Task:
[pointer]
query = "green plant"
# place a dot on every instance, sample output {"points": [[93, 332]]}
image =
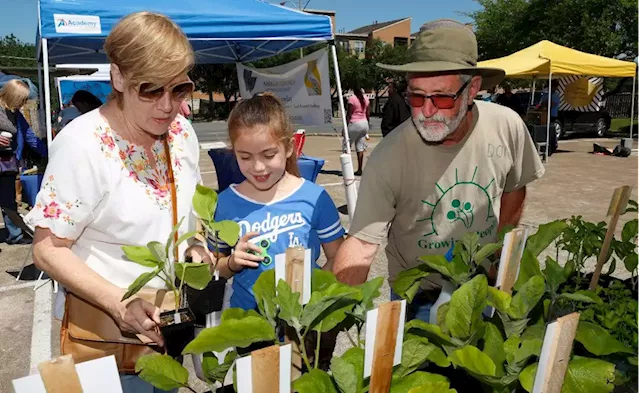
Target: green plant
{"points": [[160, 256], [468, 257]]}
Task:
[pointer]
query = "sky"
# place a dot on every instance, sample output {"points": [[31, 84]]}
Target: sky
{"points": [[20, 16]]}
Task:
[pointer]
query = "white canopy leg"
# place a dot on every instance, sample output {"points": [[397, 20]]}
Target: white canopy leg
{"points": [[47, 90]]}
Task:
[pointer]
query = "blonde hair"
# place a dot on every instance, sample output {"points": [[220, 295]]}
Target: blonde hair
{"points": [[14, 94], [149, 47], [264, 110]]}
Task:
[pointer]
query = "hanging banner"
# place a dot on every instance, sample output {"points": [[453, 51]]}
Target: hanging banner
{"points": [[581, 93], [67, 86], [302, 85]]}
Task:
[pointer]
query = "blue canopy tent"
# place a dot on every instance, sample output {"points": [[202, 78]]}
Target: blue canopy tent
{"points": [[220, 31]]}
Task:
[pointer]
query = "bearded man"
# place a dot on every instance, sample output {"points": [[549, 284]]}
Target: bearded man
{"points": [[455, 166]]}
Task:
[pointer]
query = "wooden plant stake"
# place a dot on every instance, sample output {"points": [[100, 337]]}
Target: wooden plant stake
{"points": [[555, 354], [292, 267], [62, 375], [383, 349], [510, 258], [617, 207], [59, 375], [265, 371]]}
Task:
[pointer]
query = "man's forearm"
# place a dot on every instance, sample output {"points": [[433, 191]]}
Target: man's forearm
{"points": [[511, 207], [353, 261]]}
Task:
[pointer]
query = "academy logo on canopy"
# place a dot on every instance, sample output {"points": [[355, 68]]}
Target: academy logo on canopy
{"points": [[77, 24]]}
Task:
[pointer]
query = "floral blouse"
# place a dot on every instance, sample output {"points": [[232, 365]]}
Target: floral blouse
{"points": [[100, 191]]}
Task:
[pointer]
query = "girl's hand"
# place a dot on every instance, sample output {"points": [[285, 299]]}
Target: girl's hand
{"points": [[241, 257]]}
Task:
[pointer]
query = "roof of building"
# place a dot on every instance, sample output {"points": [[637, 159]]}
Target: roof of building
{"points": [[376, 26]]}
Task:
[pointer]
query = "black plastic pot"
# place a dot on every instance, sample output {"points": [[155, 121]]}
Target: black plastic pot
{"points": [[207, 300], [177, 334]]}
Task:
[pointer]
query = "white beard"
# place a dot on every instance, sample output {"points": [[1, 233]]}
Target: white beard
{"points": [[440, 127]]}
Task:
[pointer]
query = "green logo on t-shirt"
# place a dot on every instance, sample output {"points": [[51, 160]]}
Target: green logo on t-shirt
{"points": [[464, 202]]}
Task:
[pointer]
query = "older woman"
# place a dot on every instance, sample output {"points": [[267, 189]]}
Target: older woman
{"points": [[15, 133], [108, 182]]}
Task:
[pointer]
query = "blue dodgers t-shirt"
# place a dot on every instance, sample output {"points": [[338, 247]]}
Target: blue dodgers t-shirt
{"points": [[307, 217]]}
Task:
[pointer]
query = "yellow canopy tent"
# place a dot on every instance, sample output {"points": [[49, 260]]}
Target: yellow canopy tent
{"points": [[547, 60]]}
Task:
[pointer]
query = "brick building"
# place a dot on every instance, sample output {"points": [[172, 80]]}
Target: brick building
{"points": [[394, 32]]}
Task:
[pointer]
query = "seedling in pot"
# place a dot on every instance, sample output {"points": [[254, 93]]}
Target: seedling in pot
{"points": [[177, 325], [209, 299]]}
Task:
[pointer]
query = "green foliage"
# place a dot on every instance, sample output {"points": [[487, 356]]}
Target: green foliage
{"points": [[583, 375], [162, 371], [600, 27], [232, 333]]}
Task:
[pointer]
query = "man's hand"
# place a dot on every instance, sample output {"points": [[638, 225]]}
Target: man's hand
{"points": [[354, 260]]}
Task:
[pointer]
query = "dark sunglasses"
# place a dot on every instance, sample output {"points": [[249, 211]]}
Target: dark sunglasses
{"points": [[440, 100], [148, 91]]}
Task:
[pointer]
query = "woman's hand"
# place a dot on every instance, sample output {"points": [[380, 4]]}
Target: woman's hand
{"points": [[199, 254], [241, 258], [4, 141], [140, 317]]}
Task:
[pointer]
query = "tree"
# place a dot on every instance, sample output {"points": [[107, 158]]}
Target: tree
{"points": [[602, 27], [15, 53], [216, 78]]}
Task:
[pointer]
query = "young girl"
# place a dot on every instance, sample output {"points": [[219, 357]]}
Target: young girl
{"points": [[274, 203]]}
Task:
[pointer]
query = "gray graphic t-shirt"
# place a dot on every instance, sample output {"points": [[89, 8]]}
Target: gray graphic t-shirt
{"points": [[424, 197]]}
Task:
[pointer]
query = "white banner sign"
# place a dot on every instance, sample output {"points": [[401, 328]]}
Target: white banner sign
{"points": [[302, 85]]}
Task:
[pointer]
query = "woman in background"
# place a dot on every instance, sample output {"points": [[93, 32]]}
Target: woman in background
{"points": [[358, 115], [15, 132]]}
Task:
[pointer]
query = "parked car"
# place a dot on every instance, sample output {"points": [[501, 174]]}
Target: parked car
{"points": [[597, 122]]}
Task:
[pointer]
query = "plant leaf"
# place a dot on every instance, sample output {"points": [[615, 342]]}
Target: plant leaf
{"points": [[598, 341], [237, 313], [196, 275], [204, 202], [162, 371], [433, 387], [631, 262], [157, 250], [329, 307], [419, 378], [344, 373], [370, 291], [415, 353], [529, 267], [554, 275], [494, 347], [264, 291], [528, 348], [407, 282], [185, 237], [231, 333], [545, 235], [321, 279], [583, 375], [169, 242], [352, 361], [139, 283], [500, 300], [140, 255], [441, 316], [289, 302], [438, 263], [486, 251], [470, 243], [511, 348], [213, 370], [630, 231], [315, 381], [466, 306], [473, 360], [527, 298], [569, 268], [431, 332], [584, 296], [512, 326], [228, 231]]}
